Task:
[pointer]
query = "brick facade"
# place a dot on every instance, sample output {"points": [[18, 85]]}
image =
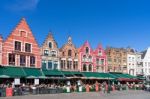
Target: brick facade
{"points": [[20, 48], [117, 59]]}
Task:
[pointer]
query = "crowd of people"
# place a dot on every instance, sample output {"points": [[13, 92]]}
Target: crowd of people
{"points": [[42, 88]]}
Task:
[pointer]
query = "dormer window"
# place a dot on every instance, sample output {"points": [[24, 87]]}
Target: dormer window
{"points": [[69, 52], [87, 50], [17, 46], [50, 44]]}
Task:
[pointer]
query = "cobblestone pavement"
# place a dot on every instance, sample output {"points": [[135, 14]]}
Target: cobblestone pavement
{"points": [[89, 95]]}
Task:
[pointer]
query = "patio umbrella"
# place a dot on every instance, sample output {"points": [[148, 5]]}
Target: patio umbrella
{"points": [[4, 76]]}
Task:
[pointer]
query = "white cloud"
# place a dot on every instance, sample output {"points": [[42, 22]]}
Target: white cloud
{"points": [[22, 5]]}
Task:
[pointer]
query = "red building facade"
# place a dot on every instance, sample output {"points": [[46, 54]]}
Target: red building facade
{"points": [[100, 59], [92, 60], [20, 48]]}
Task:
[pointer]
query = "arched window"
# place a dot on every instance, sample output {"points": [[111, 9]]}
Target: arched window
{"points": [[63, 53], [84, 67], [87, 50], [50, 44], [90, 67], [69, 52]]}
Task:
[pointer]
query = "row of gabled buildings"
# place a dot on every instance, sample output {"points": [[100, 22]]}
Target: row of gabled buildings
{"points": [[20, 49], [128, 60]]}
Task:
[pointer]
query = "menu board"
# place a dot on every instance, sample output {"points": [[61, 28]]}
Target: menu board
{"points": [[36, 81], [17, 81]]}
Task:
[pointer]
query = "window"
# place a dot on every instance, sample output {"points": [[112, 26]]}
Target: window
{"points": [[90, 58], [102, 61], [109, 59], [17, 46], [97, 61], [50, 44], [99, 53], [63, 53], [87, 50], [90, 67], [11, 59], [69, 52], [46, 52], [84, 67], [149, 64], [69, 64], [43, 64], [75, 64], [62, 64], [53, 53], [55, 65], [32, 61], [23, 33], [84, 57], [75, 54], [28, 47], [50, 64], [145, 63], [22, 60]]}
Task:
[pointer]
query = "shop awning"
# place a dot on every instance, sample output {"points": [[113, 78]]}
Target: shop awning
{"points": [[67, 73], [53, 73], [96, 75], [11, 72], [32, 72], [124, 77]]}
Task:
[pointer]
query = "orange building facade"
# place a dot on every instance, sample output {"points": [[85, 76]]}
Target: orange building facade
{"points": [[20, 48]]}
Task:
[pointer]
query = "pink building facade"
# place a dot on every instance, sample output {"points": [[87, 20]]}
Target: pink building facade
{"points": [[100, 59], [86, 58], [92, 60]]}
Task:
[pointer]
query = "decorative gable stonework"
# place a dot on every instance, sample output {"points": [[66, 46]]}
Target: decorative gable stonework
{"points": [[69, 56], [50, 53], [86, 57], [20, 48]]}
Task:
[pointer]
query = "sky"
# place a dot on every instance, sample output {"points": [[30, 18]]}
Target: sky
{"points": [[116, 23]]}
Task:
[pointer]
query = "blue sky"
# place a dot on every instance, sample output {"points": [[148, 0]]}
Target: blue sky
{"points": [[117, 23]]}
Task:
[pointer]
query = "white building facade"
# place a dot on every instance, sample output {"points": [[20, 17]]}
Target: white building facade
{"points": [[146, 62], [134, 65]]}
